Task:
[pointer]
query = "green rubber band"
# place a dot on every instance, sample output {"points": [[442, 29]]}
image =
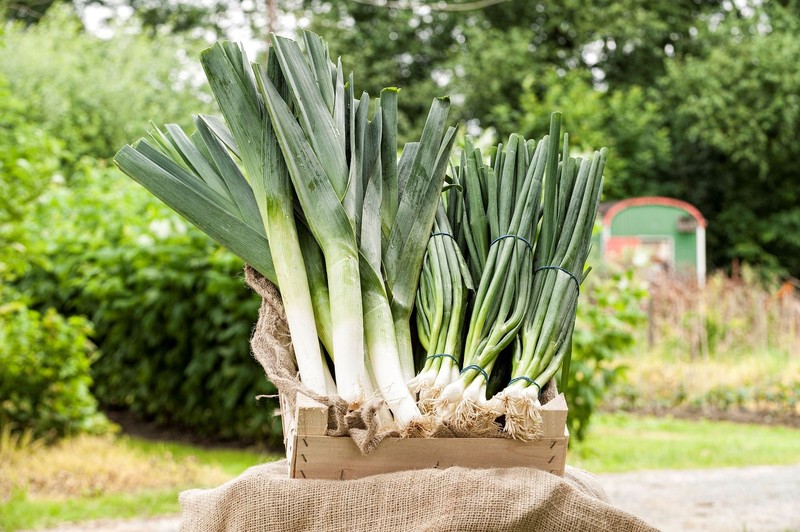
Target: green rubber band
{"points": [[478, 369]]}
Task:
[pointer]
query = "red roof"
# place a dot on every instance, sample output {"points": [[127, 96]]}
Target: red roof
{"points": [[613, 209]]}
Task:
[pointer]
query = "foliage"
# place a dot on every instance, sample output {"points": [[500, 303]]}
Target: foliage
{"points": [[172, 315], [728, 316], [734, 136], [44, 357], [627, 121], [762, 386], [44, 372], [29, 162], [130, 478], [93, 94], [484, 57], [62, 471], [209, 18], [608, 314], [727, 349]]}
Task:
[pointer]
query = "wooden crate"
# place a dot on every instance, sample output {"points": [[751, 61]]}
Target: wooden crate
{"points": [[311, 454]]}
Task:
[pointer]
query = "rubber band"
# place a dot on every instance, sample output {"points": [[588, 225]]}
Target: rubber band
{"points": [[559, 268], [530, 247], [478, 369], [443, 355], [527, 379], [443, 234]]}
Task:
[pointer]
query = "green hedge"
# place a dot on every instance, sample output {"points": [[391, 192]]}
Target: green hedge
{"points": [[171, 313]]}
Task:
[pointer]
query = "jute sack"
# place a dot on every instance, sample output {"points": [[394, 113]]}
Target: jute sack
{"points": [[263, 498]]}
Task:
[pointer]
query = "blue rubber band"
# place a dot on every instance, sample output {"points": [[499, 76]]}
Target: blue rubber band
{"points": [[530, 247], [559, 268], [478, 369], [526, 379], [443, 355]]}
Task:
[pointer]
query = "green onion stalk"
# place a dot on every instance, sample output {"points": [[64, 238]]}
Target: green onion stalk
{"points": [[502, 294], [571, 199], [441, 305]]}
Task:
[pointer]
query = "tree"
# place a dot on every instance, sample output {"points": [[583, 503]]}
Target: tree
{"points": [[96, 95], [734, 136], [628, 121], [154, 15], [26, 11], [484, 57]]}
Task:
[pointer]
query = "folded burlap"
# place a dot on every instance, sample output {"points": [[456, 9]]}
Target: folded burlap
{"points": [[458, 499]]}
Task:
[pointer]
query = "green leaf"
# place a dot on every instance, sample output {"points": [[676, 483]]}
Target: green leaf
{"points": [[318, 125], [200, 205]]}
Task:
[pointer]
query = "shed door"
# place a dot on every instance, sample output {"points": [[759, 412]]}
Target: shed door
{"points": [[655, 251]]}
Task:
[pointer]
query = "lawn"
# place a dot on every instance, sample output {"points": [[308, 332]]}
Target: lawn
{"points": [[616, 443], [125, 478], [625, 442]]}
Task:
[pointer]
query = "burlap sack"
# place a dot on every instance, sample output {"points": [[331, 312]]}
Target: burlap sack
{"points": [[457, 499]]}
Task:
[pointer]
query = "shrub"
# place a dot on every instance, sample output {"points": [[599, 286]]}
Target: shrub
{"points": [[29, 161], [44, 373], [171, 311], [608, 315]]}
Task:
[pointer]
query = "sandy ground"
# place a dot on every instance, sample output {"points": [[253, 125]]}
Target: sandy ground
{"points": [[752, 499]]}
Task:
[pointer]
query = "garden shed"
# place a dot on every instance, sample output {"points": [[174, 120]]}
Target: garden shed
{"points": [[667, 234]]}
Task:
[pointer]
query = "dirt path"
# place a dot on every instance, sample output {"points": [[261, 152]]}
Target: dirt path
{"points": [[752, 499], [762, 498]]}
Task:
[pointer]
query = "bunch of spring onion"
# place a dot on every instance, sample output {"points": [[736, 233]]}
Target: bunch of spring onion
{"points": [[302, 185], [570, 206], [441, 311], [523, 221], [498, 309]]}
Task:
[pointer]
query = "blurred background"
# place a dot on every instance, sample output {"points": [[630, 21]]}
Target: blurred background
{"points": [[115, 312]]}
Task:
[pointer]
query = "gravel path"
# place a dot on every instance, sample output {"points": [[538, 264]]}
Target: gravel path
{"points": [[762, 498], [752, 499]]}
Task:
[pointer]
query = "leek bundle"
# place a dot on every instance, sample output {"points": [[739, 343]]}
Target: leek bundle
{"points": [[300, 184]]}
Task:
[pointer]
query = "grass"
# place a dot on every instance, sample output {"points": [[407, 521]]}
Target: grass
{"points": [[20, 512], [125, 478], [624, 442], [231, 461], [616, 443]]}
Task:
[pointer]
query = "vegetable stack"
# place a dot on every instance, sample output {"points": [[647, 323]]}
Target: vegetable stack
{"points": [[302, 180]]}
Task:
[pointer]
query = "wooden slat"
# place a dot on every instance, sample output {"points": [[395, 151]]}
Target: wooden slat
{"points": [[312, 416], [554, 417], [338, 458], [289, 426]]}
